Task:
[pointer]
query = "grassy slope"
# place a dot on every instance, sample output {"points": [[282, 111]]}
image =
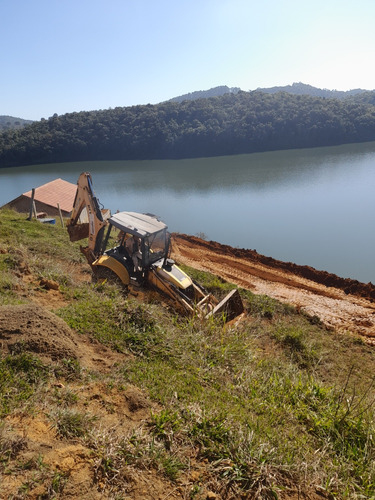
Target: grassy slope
{"points": [[274, 404]]}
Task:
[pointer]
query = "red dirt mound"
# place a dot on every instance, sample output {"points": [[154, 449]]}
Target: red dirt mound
{"points": [[32, 328], [341, 304], [348, 285]]}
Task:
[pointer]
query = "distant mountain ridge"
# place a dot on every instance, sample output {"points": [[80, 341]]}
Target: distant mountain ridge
{"points": [[304, 89], [8, 122], [297, 88], [205, 94]]}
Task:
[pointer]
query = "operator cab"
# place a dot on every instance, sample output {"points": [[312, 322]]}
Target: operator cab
{"points": [[143, 238]]}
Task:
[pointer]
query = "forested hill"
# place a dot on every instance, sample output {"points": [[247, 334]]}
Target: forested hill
{"points": [[7, 122], [304, 89], [245, 122], [202, 94]]}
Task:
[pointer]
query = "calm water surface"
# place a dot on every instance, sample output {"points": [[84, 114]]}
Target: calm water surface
{"points": [[312, 206]]}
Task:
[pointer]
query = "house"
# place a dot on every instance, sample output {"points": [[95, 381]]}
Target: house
{"points": [[47, 197]]}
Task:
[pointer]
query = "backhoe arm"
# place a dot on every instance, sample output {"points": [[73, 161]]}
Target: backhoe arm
{"points": [[86, 206]]}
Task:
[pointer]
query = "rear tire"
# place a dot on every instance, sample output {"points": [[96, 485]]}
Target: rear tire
{"points": [[102, 274]]}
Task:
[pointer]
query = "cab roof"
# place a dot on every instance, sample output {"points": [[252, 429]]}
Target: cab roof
{"points": [[138, 224]]}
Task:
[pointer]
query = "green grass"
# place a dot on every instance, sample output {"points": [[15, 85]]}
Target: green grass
{"points": [[214, 284], [31, 247], [221, 394], [276, 401], [70, 423], [17, 232], [124, 325], [19, 376]]}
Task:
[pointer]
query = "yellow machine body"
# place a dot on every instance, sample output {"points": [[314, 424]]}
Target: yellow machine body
{"points": [[140, 255]]}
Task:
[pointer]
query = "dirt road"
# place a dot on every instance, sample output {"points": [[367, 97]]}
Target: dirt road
{"points": [[343, 304]]}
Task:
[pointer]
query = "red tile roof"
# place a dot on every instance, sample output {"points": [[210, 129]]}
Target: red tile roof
{"points": [[54, 192]]}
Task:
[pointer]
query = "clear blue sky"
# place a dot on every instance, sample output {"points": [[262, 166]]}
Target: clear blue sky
{"points": [[60, 56]]}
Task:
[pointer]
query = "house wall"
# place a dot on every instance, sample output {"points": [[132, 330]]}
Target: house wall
{"points": [[22, 205]]}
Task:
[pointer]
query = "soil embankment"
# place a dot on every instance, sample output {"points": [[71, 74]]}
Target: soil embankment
{"points": [[343, 304]]}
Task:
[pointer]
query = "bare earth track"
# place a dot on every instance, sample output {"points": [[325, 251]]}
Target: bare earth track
{"points": [[342, 304]]}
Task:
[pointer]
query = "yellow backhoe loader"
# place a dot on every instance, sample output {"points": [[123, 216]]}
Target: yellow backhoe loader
{"points": [[141, 255]]}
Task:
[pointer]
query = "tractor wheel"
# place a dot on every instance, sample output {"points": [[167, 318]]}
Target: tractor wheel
{"points": [[103, 275]]}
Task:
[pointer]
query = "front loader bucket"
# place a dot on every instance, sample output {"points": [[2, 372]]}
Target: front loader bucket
{"points": [[78, 232], [230, 307]]}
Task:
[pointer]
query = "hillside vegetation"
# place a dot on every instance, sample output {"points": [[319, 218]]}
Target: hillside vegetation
{"points": [[106, 395], [203, 94], [244, 122]]}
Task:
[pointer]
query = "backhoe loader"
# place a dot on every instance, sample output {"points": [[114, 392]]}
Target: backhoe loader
{"points": [[140, 256]]}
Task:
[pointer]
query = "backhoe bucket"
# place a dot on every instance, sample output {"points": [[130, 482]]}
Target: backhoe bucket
{"points": [[230, 307], [78, 232]]}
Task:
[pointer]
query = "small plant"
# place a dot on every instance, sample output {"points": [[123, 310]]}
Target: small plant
{"points": [[212, 435], [195, 490], [71, 368], [9, 284], [10, 447], [71, 423], [266, 307], [163, 425], [65, 397], [56, 485], [171, 466], [201, 235], [294, 340]]}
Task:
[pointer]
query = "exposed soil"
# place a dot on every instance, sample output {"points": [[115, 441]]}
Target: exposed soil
{"points": [[343, 304], [39, 458], [34, 329], [32, 436], [339, 303]]}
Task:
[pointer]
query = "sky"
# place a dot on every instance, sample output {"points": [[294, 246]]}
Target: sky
{"points": [[62, 56]]}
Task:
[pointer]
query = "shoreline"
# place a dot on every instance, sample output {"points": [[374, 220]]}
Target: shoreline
{"points": [[330, 280]]}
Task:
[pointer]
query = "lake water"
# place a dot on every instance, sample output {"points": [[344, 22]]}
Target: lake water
{"points": [[314, 206]]}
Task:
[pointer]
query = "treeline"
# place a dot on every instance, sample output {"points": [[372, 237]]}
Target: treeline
{"points": [[304, 89], [245, 122], [202, 94]]}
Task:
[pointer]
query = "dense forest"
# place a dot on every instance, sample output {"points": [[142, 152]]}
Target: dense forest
{"points": [[233, 123]]}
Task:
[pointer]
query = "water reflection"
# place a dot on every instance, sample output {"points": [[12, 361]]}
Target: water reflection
{"points": [[312, 206], [258, 171]]}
